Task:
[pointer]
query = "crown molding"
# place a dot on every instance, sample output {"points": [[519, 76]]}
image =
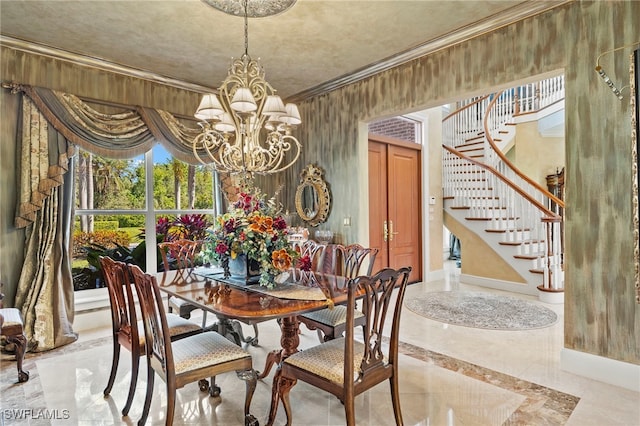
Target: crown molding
{"points": [[98, 63], [517, 13]]}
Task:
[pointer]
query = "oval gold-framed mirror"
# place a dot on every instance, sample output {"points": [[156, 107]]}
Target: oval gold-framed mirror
{"points": [[313, 199]]}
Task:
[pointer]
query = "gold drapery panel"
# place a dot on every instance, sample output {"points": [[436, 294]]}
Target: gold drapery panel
{"points": [[45, 289], [45, 192], [44, 161]]}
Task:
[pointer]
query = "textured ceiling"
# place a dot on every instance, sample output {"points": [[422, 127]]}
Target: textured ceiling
{"points": [[313, 45]]}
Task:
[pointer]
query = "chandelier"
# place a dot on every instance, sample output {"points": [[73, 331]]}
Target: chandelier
{"points": [[246, 127]]}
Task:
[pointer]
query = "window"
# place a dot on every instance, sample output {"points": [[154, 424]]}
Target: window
{"points": [[124, 206]]}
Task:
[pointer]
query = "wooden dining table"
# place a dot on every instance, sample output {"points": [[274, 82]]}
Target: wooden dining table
{"points": [[232, 300]]}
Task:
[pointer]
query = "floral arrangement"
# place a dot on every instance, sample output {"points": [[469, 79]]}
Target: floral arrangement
{"points": [[254, 227]]}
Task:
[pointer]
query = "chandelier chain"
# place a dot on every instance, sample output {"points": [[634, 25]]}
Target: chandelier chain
{"points": [[246, 28]]}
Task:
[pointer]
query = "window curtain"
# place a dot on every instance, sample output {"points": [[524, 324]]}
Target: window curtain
{"points": [[45, 288], [52, 123]]}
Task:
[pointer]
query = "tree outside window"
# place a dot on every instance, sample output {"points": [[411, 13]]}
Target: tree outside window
{"points": [[112, 209]]}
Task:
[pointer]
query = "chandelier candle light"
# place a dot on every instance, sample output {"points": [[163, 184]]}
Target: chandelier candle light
{"points": [[246, 128]]}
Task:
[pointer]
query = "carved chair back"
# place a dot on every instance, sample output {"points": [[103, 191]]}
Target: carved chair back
{"points": [[366, 361], [179, 254]]}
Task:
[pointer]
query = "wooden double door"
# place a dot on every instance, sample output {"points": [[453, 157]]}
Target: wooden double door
{"points": [[395, 204]]}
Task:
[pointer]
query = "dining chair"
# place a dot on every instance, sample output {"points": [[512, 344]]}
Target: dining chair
{"points": [[347, 261], [127, 330], [12, 328], [180, 254], [315, 252], [345, 367], [187, 360]]}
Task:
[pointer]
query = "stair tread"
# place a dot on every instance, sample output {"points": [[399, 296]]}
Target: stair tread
{"points": [[508, 229], [531, 256], [520, 242], [490, 218], [474, 138], [467, 142]]}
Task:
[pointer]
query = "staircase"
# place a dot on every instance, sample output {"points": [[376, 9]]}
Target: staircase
{"points": [[485, 193]]}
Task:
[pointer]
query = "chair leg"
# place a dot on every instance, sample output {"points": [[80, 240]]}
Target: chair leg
{"points": [[350, 411], [283, 395], [250, 378], [214, 390], [148, 395], [114, 366], [171, 402], [204, 319], [135, 367], [20, 342], [395, 397]]}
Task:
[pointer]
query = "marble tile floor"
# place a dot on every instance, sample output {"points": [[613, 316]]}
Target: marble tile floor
{"points": [[449, 375]]}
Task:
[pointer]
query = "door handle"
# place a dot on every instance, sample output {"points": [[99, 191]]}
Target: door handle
{"points": [[391, 233], [385, 231]]}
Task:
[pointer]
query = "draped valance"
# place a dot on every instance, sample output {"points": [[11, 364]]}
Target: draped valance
{"points": [[46, 150], [125, 134]]}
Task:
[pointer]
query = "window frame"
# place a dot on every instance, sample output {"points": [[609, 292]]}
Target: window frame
{"points": [[98, 298]]}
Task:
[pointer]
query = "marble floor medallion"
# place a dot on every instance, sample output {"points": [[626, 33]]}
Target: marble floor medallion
{"points": [[481, 310]]}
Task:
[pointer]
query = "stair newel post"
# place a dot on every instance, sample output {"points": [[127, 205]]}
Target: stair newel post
{"points": [[549, 255], [552, 291]]}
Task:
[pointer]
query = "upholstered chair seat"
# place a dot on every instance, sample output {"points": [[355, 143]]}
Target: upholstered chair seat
{"points": [[327, 360], [332, 317], [203, 350]]}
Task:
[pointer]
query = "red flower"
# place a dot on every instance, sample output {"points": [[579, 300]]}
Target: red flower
{"points": [[229, 226], [304, 263], [222, 248], [279, 223]]}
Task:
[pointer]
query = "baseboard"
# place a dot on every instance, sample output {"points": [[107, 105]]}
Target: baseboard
{"points": [[607, 370], [435, 275], [85, 300], [499, 284], [91, 319]]}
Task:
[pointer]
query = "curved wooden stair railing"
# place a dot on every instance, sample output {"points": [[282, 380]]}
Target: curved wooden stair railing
{"points": [[482, 180]]}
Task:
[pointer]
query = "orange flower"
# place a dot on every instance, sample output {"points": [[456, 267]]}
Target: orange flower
{"points": [[281, 260], [262, 224]]}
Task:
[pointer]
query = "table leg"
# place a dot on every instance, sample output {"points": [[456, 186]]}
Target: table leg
{"points": [[232, 330], [289, 341]]}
